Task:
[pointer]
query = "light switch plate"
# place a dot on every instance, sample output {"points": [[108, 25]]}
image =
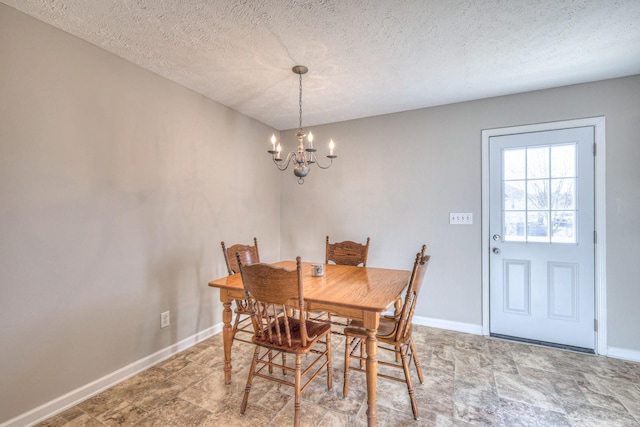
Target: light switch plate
{"points": [[458, 218]]}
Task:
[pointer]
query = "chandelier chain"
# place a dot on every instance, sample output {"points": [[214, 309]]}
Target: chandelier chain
{"points": [[300, 104]]}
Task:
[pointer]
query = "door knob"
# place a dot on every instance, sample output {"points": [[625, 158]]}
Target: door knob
{"points": [[496, 237], [496, 251]]}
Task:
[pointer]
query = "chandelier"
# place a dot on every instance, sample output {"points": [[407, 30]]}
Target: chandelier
{"points": [[304, 157]]}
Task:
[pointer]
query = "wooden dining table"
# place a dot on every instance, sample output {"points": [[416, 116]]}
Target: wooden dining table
{"points": [[361, 293]]}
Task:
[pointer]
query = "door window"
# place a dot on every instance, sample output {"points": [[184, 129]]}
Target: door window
{"points": [[539, 194]]}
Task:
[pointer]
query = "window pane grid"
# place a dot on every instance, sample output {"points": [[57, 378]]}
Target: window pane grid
{"points": [[538, 194]]}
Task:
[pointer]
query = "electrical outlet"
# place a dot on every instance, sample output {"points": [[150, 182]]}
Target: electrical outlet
{"points": [[458, 218], [165, 320]]}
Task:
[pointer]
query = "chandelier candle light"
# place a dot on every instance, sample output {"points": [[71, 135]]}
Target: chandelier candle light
{"points": [[304, 156]]}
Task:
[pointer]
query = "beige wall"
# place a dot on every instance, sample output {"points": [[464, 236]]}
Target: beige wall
{"points": [[116, 188], [398, 176]]}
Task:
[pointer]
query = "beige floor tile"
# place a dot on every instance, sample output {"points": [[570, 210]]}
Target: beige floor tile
{"points": [[177, 413], [55, 421], [122, 414], [469, 380]]}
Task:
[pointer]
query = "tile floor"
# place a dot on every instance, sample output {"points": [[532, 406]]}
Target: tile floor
{"points": [[469, 380]]}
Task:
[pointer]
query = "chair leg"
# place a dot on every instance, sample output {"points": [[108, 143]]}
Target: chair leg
{"points": [[329, 365], [284, 363], [416, 362], [247, 389], [298, 375], [407, 376]]}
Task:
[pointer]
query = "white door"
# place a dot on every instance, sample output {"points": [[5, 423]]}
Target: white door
{"points": [[541, 224]]}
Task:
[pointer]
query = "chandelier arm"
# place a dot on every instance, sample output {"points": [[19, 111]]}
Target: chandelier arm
{"points": [[283, 165], [315, 159]]}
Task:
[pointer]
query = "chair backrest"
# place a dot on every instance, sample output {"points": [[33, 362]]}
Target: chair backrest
{"points": [[248, 255], [347, 252], [275, 292], [403, 327]]}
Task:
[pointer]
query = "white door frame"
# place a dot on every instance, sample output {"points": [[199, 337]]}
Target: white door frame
{"points": [[600, 217]]}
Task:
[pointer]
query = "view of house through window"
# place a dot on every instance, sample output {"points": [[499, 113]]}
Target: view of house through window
{"points": [[539, 194]]}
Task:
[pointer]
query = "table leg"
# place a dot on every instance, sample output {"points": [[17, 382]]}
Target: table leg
{"points": [[371, 323], [227, 336]]}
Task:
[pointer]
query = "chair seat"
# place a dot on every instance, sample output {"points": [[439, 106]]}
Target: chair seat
{"points": [[387, 327], [315, 331]]}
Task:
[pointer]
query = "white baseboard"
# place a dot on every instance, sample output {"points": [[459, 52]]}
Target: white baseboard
{"points": [[80, 394], [623, 353], [468, 328]]}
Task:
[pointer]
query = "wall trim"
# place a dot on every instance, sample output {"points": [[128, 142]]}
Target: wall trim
{"points": [[624, 353], [600, 274], [470, 328], [80, 394], [467, 328]]}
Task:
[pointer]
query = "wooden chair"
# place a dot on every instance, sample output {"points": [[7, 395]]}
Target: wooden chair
{"points": [[344, 253], [273, 292], [347, 253], [394, 335], [248, 255]]}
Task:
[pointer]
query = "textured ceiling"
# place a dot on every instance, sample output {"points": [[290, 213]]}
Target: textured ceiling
{"points": [[365, 57]]}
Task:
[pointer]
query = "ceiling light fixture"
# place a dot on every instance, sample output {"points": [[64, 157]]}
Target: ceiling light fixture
{"points": [[304, 157]]}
